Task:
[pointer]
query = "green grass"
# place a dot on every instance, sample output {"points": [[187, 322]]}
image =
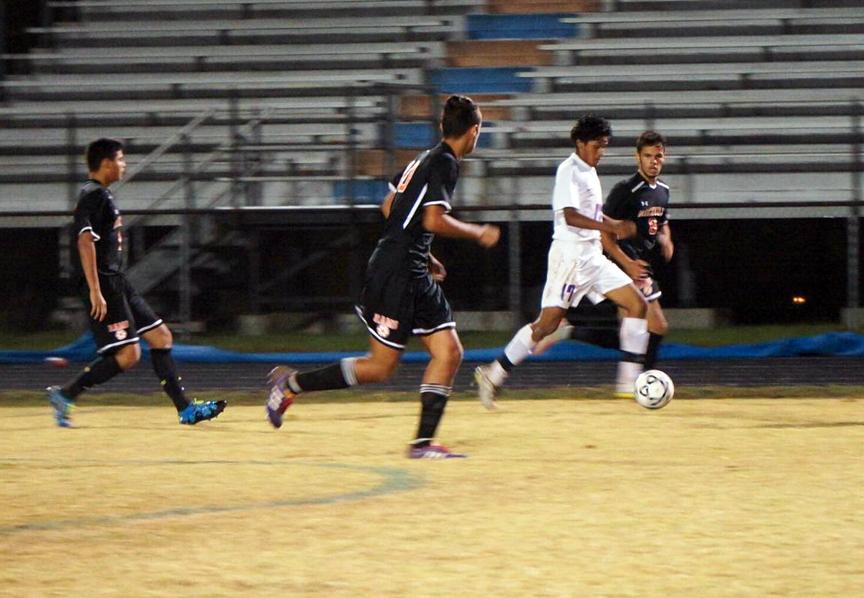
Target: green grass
{"points": [[297, 342]]}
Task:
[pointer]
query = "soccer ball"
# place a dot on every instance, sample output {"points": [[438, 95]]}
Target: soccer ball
{"points": [[654, 389]]}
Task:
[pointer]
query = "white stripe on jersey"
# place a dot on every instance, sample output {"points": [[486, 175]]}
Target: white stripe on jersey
{"points": [[637, 187], [662, 184], [415, 206]]}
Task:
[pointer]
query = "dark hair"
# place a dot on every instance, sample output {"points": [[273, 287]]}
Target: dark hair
{"points": [[650, 139], [590, 127], [102, 149], [460, 114]]}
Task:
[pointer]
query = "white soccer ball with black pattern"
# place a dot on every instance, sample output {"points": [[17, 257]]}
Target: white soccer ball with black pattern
{"points": [[654, 389]]}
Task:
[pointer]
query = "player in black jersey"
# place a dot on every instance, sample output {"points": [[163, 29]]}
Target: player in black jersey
{"points": [[644, 199], [119, 316], [401, 296]]}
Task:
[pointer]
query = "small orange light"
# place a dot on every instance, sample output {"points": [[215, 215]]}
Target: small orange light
{"points": [[799, 300]]}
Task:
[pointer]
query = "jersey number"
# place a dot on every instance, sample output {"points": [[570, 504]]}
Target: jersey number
{"points": [[652, 226], [407, 175]]}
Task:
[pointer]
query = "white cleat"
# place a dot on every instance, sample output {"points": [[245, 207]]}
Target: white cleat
{"points": [[486, 390]]}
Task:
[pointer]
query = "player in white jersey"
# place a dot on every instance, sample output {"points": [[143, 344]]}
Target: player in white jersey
{"points": [[576, 264]]}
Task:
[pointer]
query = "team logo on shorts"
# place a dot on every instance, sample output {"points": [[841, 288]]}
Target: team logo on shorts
{"points": [[385, 325], [119, 329]]}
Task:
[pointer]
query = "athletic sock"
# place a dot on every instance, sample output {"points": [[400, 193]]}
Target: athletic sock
{"points": [[634, 342], [607, 338], [96, 372], [166, 371], [331, 377], [516, 351], [653, 350], [433, 398]]}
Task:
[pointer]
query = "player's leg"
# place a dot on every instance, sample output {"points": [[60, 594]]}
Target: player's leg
{"points": [[446, 352], [285, 383], [490, 378], [657, 329], [158, 336], [633, 335], [117, 349]]}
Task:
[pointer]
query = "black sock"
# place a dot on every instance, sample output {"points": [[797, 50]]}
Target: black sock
{"points": [[654, 341], [433, 398], [98, 371], [329, 377], [166, 370], [602, 337]]}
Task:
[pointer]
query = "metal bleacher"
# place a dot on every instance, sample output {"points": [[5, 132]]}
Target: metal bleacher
{"points": [[299, 102]]}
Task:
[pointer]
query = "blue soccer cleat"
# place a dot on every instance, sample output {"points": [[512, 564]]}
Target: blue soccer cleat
{"points": [[62, 406], [198, 411]]}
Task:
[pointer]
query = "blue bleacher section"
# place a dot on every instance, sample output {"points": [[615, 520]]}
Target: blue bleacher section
{"points": [[520, 26], [417, 135], [480, 80], [840, 344], [361, 191]]}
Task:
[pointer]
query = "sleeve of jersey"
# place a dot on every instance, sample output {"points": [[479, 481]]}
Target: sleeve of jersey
{"points": [[88, 214], [616, 202], [442, 178]]}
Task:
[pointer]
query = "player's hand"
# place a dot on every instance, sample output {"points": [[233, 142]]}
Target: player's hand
{"points": [[489, 235], [98, 306], [624, 229], [437, 270], [638, 269]]}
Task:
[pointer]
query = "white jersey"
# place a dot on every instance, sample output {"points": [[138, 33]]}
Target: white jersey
{"points": [[577, 186]]}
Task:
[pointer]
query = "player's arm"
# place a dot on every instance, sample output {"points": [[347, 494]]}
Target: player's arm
{"points": [[87, 252], [437, 221], [387, 204], [635, 269], [664, 238], [620, 229]]}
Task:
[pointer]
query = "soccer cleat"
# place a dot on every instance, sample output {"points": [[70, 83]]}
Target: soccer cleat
{"points": [[279, 396], [198, 411], [433, 451], [486, 390], [62, 406]]}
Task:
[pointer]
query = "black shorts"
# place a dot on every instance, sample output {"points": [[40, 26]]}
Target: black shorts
{"points": [[128, 315], [394, 307]]}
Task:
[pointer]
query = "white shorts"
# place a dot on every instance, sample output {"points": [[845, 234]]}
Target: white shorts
{"points": [[576, 271]]}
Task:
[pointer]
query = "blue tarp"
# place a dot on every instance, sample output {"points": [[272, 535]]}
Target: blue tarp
{"points": [[845, 344]]}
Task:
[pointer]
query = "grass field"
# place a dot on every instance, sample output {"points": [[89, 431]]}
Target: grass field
{"points": [[578, 497]]}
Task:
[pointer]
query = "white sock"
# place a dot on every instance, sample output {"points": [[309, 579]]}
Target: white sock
{"points": [[634, 335], [634, 339], [521, 345]]}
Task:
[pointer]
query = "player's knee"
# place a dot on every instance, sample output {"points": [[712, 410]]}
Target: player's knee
{"points": [[453, 356], [128, 356], [160, 337], [658, 326]]}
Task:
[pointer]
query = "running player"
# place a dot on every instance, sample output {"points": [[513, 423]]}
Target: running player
{"points": [[401, 295], [119, 316], [644, 199], [577, 266]]}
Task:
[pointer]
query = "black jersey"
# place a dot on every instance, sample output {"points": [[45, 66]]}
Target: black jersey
{"points": [[634, 199], [96, 212], [428, 180]]}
